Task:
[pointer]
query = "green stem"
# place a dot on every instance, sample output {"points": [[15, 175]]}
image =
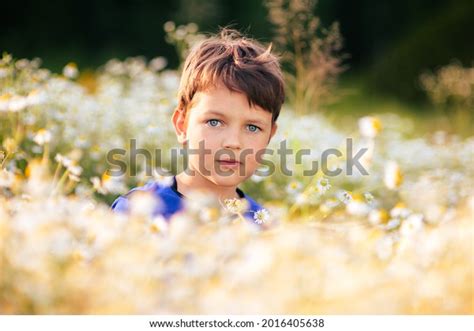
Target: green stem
{"points": [[4, 160], [241, 217], [56, 173], [60, 183], [45, 153]]}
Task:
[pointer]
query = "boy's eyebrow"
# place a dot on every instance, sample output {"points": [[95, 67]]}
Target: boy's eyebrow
{"points": [[215, 112]]}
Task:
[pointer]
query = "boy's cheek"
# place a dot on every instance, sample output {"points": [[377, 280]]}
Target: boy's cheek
{"points": [[201, 145], [204, 165], [251, 164]]}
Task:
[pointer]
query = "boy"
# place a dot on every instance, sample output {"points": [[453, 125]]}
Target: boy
{"points": [[230, 96]]}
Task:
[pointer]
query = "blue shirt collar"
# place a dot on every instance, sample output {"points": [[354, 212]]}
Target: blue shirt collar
{"points": [[174, 187]]}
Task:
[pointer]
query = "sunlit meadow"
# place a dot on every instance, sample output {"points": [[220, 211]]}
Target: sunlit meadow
{"points": [[398, 241]]}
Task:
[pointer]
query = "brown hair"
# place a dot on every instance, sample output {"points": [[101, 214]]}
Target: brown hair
{"points": [[241, 64]]}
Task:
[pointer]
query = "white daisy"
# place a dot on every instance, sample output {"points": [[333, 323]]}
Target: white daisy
{"points": [[17, 103], [42, 137], [234, 205], [293, 187], [70, 70], [411, 225], [369, 126], [378, 216], [393, 176], [369, 197], [159, 224], [261, 216], [323, 185], [344, 196]]}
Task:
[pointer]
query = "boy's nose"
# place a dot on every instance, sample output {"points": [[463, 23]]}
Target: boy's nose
{"points": [[231, 140]]}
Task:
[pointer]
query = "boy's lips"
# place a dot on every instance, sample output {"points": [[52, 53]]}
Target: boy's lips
{"points": [[229, 163]]}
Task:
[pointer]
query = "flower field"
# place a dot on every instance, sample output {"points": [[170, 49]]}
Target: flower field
{"points": [[396, 241]]}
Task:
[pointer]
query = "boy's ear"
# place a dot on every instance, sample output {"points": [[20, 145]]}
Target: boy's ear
{"points": [[179, 123], [273, 131]]}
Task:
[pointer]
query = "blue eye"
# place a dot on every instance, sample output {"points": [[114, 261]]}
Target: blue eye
{"points": [[253, 128], [213, 122]]}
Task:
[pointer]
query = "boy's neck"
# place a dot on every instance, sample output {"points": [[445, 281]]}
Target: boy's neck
{"points": [[187, 183]]}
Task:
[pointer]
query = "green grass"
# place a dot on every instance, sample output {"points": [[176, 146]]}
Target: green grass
{"points": [[355, 99]]}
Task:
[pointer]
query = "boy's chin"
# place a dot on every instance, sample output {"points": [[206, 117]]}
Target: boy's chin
{"points": [[222, 179]]}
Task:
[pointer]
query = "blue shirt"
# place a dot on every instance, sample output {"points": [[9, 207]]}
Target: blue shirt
{"points": [[172, 200]]}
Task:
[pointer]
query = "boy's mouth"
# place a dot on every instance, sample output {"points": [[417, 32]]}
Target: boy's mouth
{"points": [[230, 163]]}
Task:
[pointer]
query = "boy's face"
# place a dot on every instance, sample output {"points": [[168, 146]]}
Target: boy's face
{"points": [[222, 126]]}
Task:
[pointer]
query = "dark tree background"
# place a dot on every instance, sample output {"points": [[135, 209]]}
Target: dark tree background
{"points": [[389, 42]]}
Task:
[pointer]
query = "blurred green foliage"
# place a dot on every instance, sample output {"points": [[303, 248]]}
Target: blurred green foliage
{"points": [[390, 42], [433, 42]]}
